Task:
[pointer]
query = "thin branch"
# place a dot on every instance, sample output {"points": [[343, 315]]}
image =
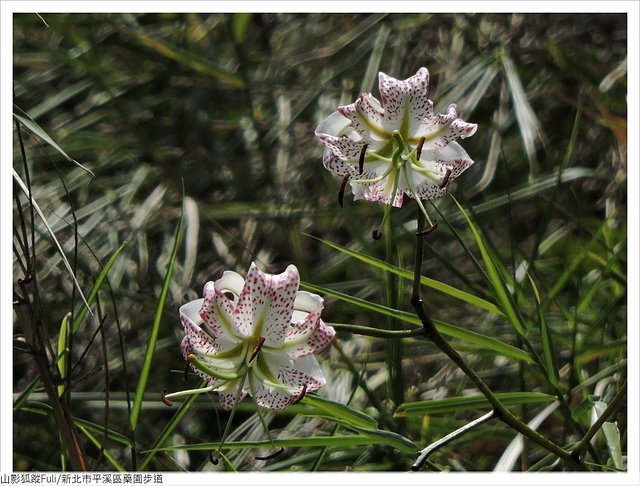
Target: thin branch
{"points": [[500, 410]]}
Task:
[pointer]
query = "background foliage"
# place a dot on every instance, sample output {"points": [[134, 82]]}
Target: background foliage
{"points": [[223, 107]]}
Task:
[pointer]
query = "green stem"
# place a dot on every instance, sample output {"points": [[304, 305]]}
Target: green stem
{"points": [[500, 410]]}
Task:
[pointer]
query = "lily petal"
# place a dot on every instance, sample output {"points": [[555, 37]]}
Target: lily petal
{"points": [[308, 336], [411, 94], [291, 377]]}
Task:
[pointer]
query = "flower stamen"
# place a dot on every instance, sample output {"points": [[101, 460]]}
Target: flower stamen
{"points": [[165, 400], [428, 230], [361, 159], [445, 179], [270, 456], [301, 396], [341, 192], [419, 148], [257, 349]]}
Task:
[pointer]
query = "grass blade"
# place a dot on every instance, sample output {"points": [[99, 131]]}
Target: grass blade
{"points": [[330, 441], [63, 349], [53, 237], [168, 429], [37, 130], [96, 287], [450, 330], [153, 338], [101, 448], [342, 412], [457, 404], [496, 280], [548, 352], [406, 274]]}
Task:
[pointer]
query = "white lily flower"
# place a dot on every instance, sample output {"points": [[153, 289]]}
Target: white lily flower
{"points": [[256, 336], [397, 147]]}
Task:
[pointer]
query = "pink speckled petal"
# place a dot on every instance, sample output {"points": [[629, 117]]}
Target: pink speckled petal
{"points": [[343, 148], [447, 127], [452, 158], [309, 336], [292, 376], [217, 311], [307, 301], [366, 116], [334, 164], [227, 393], [412, 95], [283, 289]]}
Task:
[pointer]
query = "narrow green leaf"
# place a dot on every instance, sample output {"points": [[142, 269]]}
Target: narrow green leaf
{"points": [[63, 349], [389, 438], [573, 266], [341, 411], [67, 265], [612, 438], [77, 322], [37, 130], [470, 337], [546, 339], [102, 449], [330, 441], [456, 404], [46, 409], [239, 24], [168, 429], [153, 337], [498, 285], [193, 61], [406, 274]]}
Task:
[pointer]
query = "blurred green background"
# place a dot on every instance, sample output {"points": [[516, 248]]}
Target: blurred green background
{"points": [[223, 106]]}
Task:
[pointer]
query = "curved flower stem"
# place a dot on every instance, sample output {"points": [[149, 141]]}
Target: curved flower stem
{"points": [[427, 451], [499, 409]]}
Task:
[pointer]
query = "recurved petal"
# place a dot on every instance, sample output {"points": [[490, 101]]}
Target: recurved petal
{"points": [[309, 336], [307, 301], [335, 124], [336, 165], [449, 162], [366, 117], [445, 128], [292, 377], [209, 348], [343, 148], [217, 312]]}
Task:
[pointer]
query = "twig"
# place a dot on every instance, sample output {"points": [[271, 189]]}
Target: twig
{"points": [[500, 410]]}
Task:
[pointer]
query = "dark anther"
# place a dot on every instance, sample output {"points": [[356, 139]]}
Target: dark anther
{"points": [[257, 350], [419, 148], [301, 396], [342, 187], [270, 456], [164, 398], [445, 179], [376, 235], [428, 230], [361, 159], [213, 460]]}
